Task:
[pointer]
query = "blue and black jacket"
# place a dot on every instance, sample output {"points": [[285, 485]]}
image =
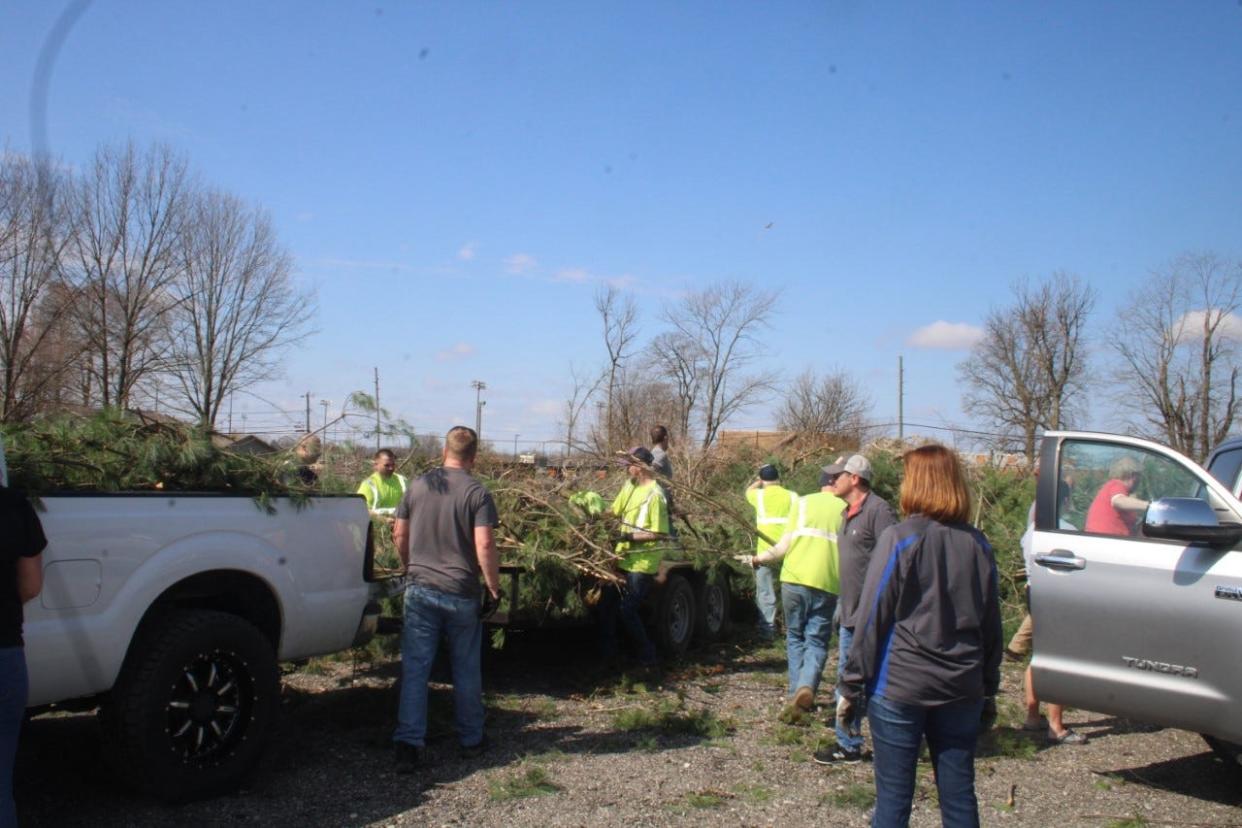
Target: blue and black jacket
{"points": [[928, 628]]}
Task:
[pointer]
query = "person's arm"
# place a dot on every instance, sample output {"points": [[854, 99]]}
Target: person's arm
{"points": [[992, 635], [401, 538], [1130, 503], [29, 577], [876, 614], [368, 493], [774, 553], [489, 559]]}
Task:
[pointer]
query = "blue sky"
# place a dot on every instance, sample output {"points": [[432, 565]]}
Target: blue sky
{"points": [[455, 179]]}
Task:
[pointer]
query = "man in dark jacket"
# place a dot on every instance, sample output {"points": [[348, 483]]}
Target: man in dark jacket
{"points": [[867, 515]]}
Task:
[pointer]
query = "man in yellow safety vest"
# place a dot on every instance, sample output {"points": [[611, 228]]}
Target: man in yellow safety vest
{"points": [[384, 488], [643, 510], [810, 583], [772, 503]]}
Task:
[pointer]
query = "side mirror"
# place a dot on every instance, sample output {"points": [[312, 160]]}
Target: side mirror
{"points": [[1189, 519]]}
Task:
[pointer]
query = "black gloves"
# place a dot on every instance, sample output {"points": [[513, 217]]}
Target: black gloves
{"points": [[489, 605]]}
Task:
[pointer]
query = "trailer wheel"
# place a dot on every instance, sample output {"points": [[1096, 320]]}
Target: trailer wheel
{"points": [[194, 706], [675, 616], [711, 618]]}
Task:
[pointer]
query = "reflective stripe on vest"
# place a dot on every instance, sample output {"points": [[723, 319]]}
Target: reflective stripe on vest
{"points": [[761, 509], [641, 520]]}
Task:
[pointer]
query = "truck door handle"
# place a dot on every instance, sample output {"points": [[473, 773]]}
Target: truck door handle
{"points": [[1061, 559]]}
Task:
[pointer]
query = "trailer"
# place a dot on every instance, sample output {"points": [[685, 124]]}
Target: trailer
{"points": [[687, 606]]}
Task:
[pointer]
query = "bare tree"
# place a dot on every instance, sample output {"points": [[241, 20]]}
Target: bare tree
{"points": [[34, 225], [236, 308], [1178, 342], [680, 359], [1027, 371], [833, 404], [725, 321], [619, 315], [131, 211], [583, 388]]}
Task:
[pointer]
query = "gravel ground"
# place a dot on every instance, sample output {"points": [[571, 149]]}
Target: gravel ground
{"points": [[571, 746]]}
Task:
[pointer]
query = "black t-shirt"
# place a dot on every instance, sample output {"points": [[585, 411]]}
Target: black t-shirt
{"points": [[21, 536]]}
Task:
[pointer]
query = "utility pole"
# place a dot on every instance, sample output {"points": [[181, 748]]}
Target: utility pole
{"points": [[479, 402], [230, 412], [377, 410], [515, 436], [308, 412], [901, 406], [325, 404]]}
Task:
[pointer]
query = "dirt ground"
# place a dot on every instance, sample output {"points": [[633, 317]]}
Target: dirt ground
{"points": [[575, 746]]}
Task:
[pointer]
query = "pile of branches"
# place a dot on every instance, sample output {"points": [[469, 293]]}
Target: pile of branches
{"points": [[121, 452]]}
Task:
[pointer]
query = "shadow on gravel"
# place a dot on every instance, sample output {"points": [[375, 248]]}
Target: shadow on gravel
{"points": [[1201, 776], [330, 762]]}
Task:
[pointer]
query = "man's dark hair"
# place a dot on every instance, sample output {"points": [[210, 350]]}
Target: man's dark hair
{"points": [[659, 435], [385, 453]]}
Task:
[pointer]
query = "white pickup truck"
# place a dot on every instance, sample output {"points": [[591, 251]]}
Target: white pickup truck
{"points": [[172, 611]]}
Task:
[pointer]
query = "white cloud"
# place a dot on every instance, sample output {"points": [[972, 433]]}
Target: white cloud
{"points": [[460, 350], [1190, 326], [468, 251], [520, 263], [946, 336]]}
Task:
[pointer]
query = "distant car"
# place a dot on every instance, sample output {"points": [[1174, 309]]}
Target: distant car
{"points": [[1142, 625]]}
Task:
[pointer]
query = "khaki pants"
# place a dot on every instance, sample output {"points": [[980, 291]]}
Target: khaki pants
{"points": [[1020, 644]]}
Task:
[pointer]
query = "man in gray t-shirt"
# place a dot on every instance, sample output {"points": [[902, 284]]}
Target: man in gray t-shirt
{"points": [[444, 533]]}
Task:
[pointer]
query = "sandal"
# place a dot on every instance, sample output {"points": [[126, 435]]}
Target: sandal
{"points": [[1069, 737]]}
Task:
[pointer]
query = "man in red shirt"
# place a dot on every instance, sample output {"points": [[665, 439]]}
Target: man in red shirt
{"points": [[1115, 511]]}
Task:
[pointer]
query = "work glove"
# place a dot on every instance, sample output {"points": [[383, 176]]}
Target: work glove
{"points": [[489, 605], [987, 719]]}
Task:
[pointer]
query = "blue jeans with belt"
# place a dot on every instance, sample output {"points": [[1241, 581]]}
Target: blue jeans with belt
{"points": [[14, 690], [897, 730], [429, 615], [808, 630]]}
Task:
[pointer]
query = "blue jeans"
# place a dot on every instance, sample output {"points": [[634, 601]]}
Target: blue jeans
{"points": [[808, 630], [625, 603], [845, 638], [14, 687], [896, 733], [765, 600], [430, 615]]}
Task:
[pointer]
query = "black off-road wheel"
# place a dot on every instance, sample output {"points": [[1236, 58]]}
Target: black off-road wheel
{"points": [[194, 706], [1230, 752], [675, 616], [711, 617]]}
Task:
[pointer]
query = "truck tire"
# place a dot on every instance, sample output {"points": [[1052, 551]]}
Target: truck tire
{"points": [[194, 706], [711, 602], [1230, 752], [675, 616]]}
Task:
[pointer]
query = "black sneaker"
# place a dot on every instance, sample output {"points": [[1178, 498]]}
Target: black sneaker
{"points": [[838, 755], [475, 751], [407, 757]]}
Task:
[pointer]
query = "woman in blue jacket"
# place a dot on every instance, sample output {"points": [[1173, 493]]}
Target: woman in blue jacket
{"points": [[926, 656]]}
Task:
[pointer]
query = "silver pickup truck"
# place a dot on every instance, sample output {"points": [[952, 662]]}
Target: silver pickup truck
{"points": [[1137, 610], [170, 612]]}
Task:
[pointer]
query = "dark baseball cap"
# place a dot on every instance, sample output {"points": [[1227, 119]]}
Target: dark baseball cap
{"points": [[768, 472]]}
